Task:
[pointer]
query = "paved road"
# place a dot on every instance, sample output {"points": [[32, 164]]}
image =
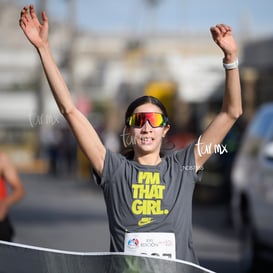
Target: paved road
{"points": [[69, 214]]}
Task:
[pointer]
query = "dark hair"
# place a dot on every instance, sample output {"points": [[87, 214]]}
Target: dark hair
{"points": [[128, 152], [143, 100]]}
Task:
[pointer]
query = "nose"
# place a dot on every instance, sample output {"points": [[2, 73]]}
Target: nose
{"points": [[146, 127]]}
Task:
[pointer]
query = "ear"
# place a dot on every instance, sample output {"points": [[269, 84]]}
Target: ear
{"points": [[166, 129]]}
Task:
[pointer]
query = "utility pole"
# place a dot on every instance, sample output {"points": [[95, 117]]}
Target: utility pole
{"points": [[152, 6]]}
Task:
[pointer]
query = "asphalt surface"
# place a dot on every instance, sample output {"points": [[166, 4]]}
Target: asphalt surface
{"points": [[68, 213]]}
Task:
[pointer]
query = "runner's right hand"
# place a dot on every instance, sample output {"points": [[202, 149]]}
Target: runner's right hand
{"points": [[36, 32]]}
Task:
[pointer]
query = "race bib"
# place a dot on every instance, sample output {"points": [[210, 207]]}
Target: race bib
{"points": [[160, 244]]}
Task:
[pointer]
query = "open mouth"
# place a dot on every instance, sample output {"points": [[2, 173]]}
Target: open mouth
{"points": [[146, 140]]}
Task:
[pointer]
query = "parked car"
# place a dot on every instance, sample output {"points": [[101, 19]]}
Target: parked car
{"points": [[252, 191]]}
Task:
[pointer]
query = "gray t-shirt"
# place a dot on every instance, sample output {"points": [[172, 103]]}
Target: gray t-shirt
{"points": [[142, 198]]}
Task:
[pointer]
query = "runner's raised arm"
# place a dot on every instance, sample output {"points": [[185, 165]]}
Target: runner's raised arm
{"points": [[88, 139], [232, 101]]}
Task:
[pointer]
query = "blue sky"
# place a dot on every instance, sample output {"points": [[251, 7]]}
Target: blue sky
{"points": [[170, 15]]}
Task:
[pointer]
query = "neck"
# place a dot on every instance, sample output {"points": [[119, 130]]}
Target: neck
{"points": [[148, 159]]}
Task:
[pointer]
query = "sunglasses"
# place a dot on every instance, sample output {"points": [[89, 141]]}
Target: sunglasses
{"points": [[139, 119]]}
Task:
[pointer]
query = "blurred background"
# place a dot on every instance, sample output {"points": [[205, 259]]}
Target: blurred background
{"points": [[111, 52]]}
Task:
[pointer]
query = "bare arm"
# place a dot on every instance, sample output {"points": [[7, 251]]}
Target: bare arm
{"points": [[88, 139], [11, 177], [232, 103]]}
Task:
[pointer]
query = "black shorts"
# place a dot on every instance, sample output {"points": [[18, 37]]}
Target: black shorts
{"points": [[6, 230]]}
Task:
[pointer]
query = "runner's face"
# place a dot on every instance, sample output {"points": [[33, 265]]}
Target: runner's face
{"points": [[147, 138]]}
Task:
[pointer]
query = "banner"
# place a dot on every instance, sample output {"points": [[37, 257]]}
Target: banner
{"points": [[19, 258]]}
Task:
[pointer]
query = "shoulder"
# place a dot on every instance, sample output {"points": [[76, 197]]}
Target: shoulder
{"points": [[110, 155], [4, 160], [5, 164], [182, 154], [113, 161]]}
